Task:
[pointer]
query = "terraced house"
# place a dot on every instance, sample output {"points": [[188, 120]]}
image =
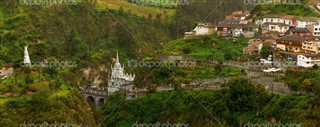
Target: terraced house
{"points": [[290, 43]]}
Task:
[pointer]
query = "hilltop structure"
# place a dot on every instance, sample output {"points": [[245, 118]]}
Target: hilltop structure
{"points": [[119, 80]]}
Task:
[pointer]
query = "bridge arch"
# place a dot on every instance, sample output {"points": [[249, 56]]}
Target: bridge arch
{"points": [[91, 99], [101, 101]]}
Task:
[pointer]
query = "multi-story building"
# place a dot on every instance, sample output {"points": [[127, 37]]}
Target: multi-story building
{"points": [[295, 21], [298, 31], [279, 27], [314, 29], [236, 30], [311, 47], [302, 22], [290, 43], [277, 18], [307, 62], [254, 47]]}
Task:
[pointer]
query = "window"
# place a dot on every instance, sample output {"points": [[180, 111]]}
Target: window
{"points": [[273, 27], [271, 20]]}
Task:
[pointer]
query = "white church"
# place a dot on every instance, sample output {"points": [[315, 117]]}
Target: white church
{"points": [[119, 80]]}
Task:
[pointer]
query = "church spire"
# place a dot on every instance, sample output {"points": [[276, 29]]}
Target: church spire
{"points": [[117, 57]]}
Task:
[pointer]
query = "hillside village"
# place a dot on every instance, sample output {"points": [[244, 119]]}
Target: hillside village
{"points": [[293, 38]]}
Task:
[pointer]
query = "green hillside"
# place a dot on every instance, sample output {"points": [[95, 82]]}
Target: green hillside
{"points": [[240, 104], [302, 9], [209, 46], [135, 9]]}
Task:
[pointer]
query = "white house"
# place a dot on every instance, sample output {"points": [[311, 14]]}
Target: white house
{"points": [[279, 27], [314, 29], [278, 18], [302, 22], [202, 29], [307, 62]]}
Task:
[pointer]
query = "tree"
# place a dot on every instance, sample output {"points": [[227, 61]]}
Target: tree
{"points": [[52, 67], [266, 50], [41, 100], [27, 72], [121, 11], [262, 97], [306, 86], [242, 95], [315, 66]]}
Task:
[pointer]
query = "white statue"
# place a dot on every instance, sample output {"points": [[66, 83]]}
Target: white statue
{"points": [[26, 59]]}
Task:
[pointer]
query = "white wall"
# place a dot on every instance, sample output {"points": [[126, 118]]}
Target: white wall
{"points": [[201, 30], [280, 29], [306, 62], [277, 20], [316, 31]]}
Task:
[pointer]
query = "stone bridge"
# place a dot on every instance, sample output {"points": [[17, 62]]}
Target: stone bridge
{"points": [[98, 97]]}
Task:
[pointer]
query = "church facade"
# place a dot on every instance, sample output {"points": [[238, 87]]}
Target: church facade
{"points": [[119, 80]]}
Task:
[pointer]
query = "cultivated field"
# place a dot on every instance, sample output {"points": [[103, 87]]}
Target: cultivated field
{"points": [[135, 9]]}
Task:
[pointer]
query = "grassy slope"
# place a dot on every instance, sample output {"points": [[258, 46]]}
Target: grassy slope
{"points": [[135, 9], [299, 10], [206, 46]]}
